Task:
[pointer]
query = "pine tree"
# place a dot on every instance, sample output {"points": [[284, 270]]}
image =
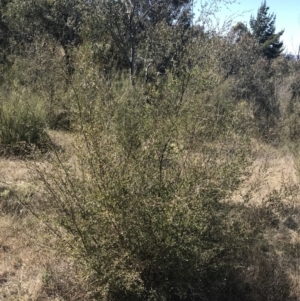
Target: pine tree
{"points": [[263, 31]]}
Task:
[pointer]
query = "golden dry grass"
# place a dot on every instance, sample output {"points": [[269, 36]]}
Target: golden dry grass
{"points": [[271, 170]]}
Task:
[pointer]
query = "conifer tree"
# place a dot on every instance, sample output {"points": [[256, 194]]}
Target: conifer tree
{"points": [[263, 31]]}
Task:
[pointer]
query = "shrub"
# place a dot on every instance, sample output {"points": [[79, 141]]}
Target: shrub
{"points": [[22, 123], [144, 209]]}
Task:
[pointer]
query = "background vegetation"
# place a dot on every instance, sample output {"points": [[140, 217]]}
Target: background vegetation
{"points": [[147, 133]]}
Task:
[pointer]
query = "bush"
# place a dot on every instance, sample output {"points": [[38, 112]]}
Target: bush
{"points": [[144, 209], [22, 123]]}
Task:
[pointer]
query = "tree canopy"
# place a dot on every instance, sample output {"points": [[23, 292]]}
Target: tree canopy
{"points": [[140, 29]]}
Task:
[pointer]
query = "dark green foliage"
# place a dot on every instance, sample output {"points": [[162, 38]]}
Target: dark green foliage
{"points": [[251, 78], [61, 19], [46, 22], [142, 34], [263, 31], [4, 30], [4, 41], [258, 86]]}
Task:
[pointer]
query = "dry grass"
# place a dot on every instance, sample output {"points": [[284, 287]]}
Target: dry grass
{"points": [[30, 268], [272, 192], [271, 171]]}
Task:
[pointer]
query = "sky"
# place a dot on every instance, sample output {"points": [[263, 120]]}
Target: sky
{"points": [[287, 17]]}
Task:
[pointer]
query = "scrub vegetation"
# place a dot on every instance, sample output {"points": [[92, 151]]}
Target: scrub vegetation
{"points": [[145, 156]]}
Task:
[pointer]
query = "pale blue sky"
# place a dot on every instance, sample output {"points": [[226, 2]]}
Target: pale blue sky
{"points": [[287, 17]]}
